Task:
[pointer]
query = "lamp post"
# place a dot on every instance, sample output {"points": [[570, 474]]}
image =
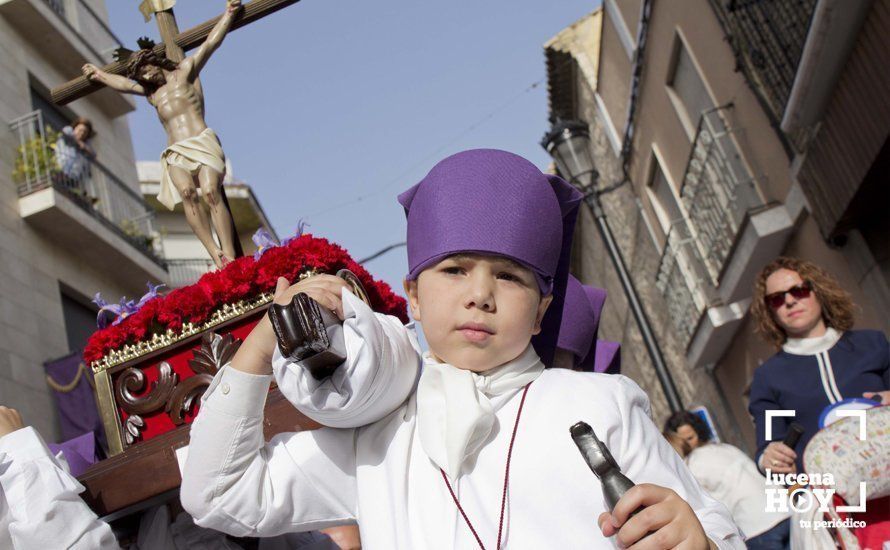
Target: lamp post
{"points": [[568, 142]]}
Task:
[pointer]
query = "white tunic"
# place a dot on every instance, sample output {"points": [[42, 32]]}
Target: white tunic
{"points": [[39, 505], [40, 508], [380, 476], [731, 477]]}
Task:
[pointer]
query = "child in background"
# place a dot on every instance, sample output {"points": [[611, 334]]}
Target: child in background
{"points": [[731, 477], [489, 237], [578, 347]]}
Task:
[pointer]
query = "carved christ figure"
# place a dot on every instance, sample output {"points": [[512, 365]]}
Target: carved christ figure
{"points": [[194, 157]]}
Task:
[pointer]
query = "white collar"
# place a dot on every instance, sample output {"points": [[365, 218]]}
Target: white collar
{"points": [[812, 346], [454, 412]]}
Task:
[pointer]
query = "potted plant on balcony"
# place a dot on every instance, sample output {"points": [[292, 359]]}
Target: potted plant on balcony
{"points": [[35, 161], [132, 230]]}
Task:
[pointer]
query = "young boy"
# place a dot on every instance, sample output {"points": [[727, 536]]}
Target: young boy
{"points": [[454, 467]]}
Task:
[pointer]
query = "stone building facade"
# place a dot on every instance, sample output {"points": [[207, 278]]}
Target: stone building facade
{"points": [[714, 131], [61, 241]]}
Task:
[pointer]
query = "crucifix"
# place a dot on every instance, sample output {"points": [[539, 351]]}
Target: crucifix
{"points": [[194, 158]]}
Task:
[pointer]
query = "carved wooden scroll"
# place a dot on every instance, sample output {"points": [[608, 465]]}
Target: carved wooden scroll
{"points": [[176, 397]]}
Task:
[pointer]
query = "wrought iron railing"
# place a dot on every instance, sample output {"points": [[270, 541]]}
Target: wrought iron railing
{"points": [[767, 37], [718, 193], [45, 158], [83, 19], [683, 281], [187, 272], [718, 190]]}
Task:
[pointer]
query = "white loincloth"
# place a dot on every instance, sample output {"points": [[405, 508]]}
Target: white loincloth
{"points": [[189, 154]]}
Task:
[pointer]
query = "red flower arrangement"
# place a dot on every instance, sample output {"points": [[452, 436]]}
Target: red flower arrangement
{"points": [[241, 279]]}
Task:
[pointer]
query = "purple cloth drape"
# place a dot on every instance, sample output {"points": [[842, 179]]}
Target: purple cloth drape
{"points": [[78, 413], [80, 452]]}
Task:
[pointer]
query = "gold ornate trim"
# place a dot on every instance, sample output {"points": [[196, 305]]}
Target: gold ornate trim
{"points": [[158, 341]]}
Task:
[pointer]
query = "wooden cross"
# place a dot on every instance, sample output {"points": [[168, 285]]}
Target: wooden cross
{"points": [[174, 44]]}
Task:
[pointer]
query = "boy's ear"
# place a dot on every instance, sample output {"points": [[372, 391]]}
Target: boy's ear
{"points": [[542, 309], [413, 302]]}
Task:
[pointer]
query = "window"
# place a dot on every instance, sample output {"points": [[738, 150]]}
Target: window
{"points": [[80, 319], [53, 116], [688, 88], [663, 199], [623, 19]]}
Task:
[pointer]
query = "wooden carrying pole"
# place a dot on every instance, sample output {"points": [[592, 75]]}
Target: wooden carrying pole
{"points": [[187, 40]]}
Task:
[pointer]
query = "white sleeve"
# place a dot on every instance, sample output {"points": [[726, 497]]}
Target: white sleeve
{"points": [[645, 456], [704, 471], [234, 483], [42, 502], [380, 372]]}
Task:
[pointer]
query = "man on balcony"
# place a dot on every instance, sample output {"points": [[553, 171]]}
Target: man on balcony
{"points": [[194, 156]]}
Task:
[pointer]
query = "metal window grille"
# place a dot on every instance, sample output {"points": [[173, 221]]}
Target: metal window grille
{"points": [[767, 37], [718, 190]]}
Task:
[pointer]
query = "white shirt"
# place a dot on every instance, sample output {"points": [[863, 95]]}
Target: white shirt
{"points": [[39, 506], [379, 475], [731, 477]]}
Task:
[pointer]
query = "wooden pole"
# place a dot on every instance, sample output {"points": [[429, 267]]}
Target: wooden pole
{"points": [[186, 40], [169, 31]]}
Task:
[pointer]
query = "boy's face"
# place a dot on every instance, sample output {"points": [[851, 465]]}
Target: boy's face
{"points": [[478, 311]]}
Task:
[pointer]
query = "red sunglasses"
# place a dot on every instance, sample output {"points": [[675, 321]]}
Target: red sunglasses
{"points": [[798, 292]]}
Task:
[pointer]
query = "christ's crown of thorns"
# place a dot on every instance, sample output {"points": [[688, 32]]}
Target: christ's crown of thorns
{"points": [[122, 54]]}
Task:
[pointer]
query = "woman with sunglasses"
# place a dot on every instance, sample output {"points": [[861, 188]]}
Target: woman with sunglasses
{"points": [[805, 313]]}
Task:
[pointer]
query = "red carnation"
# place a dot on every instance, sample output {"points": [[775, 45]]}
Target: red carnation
{"points": [[241, 279]]}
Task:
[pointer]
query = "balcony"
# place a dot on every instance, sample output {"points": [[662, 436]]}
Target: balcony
{"points": [[768, 39], [87, 209], [187, 272], [718, 191], [683, 281], [69, 33], [729, 232]]}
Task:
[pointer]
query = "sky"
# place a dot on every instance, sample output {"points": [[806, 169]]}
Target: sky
{"points": [[331, 108]]}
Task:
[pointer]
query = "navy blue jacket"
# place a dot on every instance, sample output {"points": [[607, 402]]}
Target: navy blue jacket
{"points": [[858, 362]]}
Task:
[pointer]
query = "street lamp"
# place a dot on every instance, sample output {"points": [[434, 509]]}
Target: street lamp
{"points": [[568, 142]]}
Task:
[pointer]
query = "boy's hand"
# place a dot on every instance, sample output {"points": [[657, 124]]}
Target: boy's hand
{"points": [[324, 289], [667, 519], [10, 420], [255, 354]]}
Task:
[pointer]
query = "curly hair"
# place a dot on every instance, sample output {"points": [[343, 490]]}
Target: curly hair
{"points": [[694, 421], [141, 58], [837, 304]]}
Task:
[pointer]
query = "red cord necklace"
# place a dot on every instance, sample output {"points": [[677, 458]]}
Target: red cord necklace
{"points": [[506, 481]]}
